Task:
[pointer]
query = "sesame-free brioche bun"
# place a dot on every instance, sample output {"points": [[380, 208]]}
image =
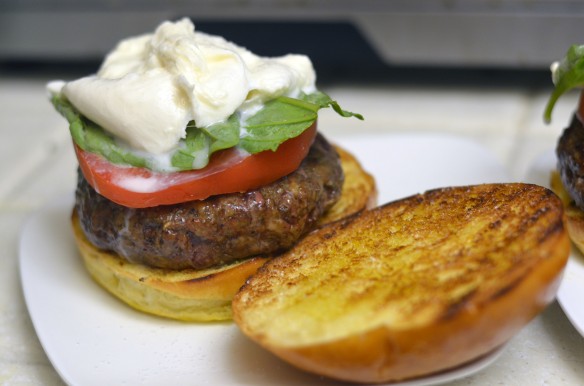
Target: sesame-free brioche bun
{"points": [[414, 287], [204, 295]]}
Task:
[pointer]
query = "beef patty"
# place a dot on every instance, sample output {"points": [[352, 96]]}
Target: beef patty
{"points": [[220, 229], [570, 153]]}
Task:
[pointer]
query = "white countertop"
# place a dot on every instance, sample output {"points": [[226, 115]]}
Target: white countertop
{"points": [[37, 165]]}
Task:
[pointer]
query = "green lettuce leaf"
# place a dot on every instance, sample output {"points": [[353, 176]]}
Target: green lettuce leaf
{"points": [[279, 120], [569, 75]]}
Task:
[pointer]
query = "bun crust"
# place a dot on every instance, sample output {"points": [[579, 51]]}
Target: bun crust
{"points": [[414, 287], [202, 295]]}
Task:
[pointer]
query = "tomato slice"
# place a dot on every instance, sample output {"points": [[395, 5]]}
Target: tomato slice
{"points": [[228, 171]]}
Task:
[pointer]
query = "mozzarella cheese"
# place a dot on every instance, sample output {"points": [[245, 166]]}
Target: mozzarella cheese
{"points": [[149, 87]]}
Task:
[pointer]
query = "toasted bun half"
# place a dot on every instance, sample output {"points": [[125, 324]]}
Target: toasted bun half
{"points": [[574, 215], [203, 295], [414, 287]]}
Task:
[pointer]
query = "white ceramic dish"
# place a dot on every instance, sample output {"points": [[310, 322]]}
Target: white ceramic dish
{"points": [[93, 339], [572, 287]]}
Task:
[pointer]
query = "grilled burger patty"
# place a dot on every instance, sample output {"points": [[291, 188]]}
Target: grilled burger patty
{"points": [[221, 229], [570, 153]]}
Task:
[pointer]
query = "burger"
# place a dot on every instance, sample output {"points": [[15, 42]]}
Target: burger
{"points": [[567, 181], [198, 161]]}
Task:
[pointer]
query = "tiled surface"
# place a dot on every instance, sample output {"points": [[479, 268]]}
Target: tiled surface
{"points": [[38, 165]]}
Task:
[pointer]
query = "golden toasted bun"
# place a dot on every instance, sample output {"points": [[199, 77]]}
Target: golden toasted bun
{"points": [[413, 287], [574, 215], [202, 295], [359, 190]]}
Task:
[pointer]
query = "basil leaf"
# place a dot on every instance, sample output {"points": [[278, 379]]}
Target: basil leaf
{"points": [[195, 151], [323, 100], [279, 120], [569, 75], [194, 154], [76, 125], [285, 118], [90, 137], [223, 135]]}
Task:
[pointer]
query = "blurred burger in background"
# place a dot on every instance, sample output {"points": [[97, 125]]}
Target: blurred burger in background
{"points": [[568, 179]]}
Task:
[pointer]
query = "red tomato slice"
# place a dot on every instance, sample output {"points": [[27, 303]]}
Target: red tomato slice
{"points": [[228, 171]]}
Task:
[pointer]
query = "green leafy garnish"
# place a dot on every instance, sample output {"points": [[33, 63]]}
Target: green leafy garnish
{"points": [[195, 152], [199, 144], [223, 135], [284, 118], [90, 137], [279, 120], [323, 100], [568, 75]]}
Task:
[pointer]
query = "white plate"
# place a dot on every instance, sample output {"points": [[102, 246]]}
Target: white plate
{"points": [[93, 339], [572, 288]]}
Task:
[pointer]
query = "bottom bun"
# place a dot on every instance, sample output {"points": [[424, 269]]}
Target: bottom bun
{"points": [[574, 215], [188, 295], [203, 295]]}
